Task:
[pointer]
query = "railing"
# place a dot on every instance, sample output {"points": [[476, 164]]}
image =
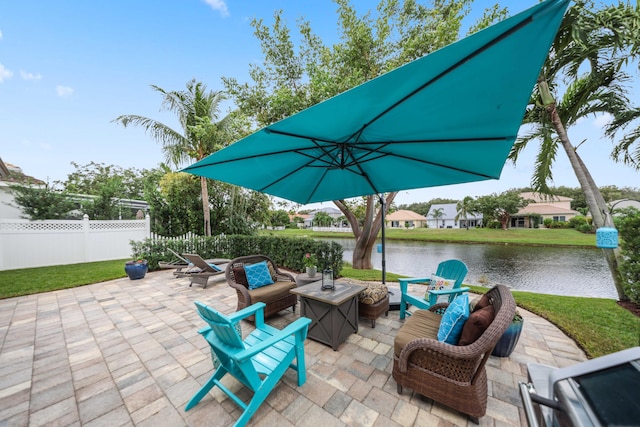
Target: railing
{"points": [[25, 243]]}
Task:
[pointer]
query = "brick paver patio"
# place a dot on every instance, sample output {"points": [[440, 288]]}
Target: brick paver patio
{"points": [[127, 352]]}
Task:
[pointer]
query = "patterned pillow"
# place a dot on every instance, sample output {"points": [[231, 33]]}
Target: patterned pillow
{"points": [[258, 275], [438, 283], [375, 292], [453, 320]]}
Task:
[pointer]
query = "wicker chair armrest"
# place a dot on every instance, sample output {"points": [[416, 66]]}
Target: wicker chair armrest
{"points": [[242, 289], [439, 308], [448, 361], [284, 277]]}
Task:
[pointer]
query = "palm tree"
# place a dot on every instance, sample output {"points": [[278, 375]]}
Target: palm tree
{"points": [[463, 207], [201, 133], [597, 41], [437, 214]]}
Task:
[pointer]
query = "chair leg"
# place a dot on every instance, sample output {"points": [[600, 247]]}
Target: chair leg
{"points": [[399, 388], [202, 392], [403, 308], [373, 323]]}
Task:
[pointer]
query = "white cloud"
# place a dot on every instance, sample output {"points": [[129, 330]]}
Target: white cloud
{"points": [[602, 120], [64, 91], [30, 76], [0, 35], [4, 73], [218, 5]]}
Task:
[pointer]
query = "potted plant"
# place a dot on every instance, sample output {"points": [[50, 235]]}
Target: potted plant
{"points": [[508, 341], [311, 264], [136, 269]]}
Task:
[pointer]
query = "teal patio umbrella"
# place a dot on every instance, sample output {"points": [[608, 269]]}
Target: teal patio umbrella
{"points": [[449, 117]]}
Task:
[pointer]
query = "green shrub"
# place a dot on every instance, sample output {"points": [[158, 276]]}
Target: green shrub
{"points": [[557, 224], [584, 228], [286, 252], [577, 221], [535, 219], [494, 224], [547, 222], [629, 228]]}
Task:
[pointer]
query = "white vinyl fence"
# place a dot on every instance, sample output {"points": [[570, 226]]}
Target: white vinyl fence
{"points": [[25, 243]]}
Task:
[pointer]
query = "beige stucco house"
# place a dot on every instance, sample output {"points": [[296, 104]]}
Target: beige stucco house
{"points": [[557, 208], [405, 219]]}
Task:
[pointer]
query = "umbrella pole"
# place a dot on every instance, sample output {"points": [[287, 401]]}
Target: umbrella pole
{"points": [[384, 261]]}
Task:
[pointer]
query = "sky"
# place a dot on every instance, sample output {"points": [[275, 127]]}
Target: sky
{"points": [[69, 68]]}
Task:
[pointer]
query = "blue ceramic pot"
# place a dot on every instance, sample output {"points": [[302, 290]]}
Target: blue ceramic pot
{"points": [[136, 270], [508, 341]]}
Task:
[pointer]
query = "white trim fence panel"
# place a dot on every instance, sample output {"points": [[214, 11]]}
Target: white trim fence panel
{"points": [[25, 243]]}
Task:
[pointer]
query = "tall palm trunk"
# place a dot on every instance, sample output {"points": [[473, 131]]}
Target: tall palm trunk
{"points": [[594, 199], [205, 206], [367, 234]]}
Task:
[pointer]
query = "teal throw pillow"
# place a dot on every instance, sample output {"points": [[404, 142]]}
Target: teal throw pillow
{"points": [[258, 275], [453, 320]]}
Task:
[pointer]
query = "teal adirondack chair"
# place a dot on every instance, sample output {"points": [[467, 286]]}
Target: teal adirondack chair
{"points": [[258, 362], [452, 269]]}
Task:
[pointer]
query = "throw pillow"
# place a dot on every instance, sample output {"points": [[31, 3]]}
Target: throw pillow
{"points": [[373, 293], [453, 320], [240, 276], [438, 283], [258, 275], [483, 302], [476, 324], [272, 272]]}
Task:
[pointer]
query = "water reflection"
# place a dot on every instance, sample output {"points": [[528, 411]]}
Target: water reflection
{"points": [[551, 270]]}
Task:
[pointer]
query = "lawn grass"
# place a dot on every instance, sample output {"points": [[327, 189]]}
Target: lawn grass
{"points": [[598, 325], [515, 236], [28, 281]]}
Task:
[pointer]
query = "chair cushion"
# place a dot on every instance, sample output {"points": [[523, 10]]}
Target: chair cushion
{"points": [[421, 324], [258, 275], [476, 324], [271, 293], [453, 320], [373, 293], [240, 276]]}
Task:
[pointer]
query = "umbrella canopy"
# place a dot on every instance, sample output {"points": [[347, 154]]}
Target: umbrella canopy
{"points": [[449, 117]]}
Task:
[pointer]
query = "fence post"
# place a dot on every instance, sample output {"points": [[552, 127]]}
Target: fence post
{"points": [[85, 235], [147, 225]]}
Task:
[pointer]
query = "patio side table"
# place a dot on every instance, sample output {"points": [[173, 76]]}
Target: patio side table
{"points": [[333, 313], [303, 279]]}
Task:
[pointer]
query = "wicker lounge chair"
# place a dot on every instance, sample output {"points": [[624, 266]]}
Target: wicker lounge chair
{"points": [[200, 270], [276, 296], [453, 375], [179, 263]]}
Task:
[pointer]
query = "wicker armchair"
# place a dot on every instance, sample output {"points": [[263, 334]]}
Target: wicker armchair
{"points": [[276, 297], [454, 376]]}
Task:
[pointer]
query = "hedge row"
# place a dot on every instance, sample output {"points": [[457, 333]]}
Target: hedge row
{"points": [[287, 252]]}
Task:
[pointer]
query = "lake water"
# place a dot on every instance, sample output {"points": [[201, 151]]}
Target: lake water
{"points": [[549, 270]]}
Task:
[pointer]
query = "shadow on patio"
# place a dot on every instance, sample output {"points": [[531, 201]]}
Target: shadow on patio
{"points": [[127, 353]]}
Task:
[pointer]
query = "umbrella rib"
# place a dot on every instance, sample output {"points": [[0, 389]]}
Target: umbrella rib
{"points": [[451, 68]]}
